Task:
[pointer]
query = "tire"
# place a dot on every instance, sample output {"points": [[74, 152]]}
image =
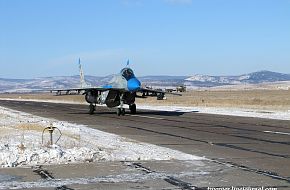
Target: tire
{"points": [[119, 111], [133, 108], [160, 96], [91, 109], [123, 111]]}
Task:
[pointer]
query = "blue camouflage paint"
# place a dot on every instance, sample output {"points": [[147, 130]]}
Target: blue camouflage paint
{"points": [[107, 86]]}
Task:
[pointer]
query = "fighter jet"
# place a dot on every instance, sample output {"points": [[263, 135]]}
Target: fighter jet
{"points": [[122, 89]]}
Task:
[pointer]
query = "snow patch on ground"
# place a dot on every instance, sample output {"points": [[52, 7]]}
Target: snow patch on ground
{"points": [[21, 143], [279, 115], [121, 178]]}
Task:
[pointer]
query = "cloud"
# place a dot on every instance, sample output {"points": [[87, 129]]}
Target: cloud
{"points": [[184, 2]]}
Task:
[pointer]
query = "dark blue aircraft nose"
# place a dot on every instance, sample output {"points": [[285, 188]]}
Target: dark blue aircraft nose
{"points": [[133, 84]]}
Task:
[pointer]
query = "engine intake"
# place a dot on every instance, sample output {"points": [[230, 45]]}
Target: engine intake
{"points": [[91, 97]]}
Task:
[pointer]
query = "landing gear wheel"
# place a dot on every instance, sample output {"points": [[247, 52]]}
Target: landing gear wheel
{"points": [[92, 109], [123, 111], [119, 111], [133, 108]]}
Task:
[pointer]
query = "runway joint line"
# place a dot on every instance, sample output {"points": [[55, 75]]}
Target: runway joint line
{"points": [[169, 179]]}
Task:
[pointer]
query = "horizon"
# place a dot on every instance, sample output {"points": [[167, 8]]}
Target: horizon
{"points": [[77, 75], [160, 37]]}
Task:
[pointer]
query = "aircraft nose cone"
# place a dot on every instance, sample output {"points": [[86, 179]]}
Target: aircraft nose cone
{"points": [[133, 84]]}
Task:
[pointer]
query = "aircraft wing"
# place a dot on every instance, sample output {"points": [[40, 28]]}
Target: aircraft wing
{"points": [[84, 90], [153, 92]]}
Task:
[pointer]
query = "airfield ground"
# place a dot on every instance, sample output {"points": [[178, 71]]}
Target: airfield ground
{"points": [[253, 99], [239, 151]]}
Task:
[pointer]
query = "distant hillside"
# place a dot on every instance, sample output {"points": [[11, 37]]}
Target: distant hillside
{"points": [[29, 85], [251, 78], [163, 80]]}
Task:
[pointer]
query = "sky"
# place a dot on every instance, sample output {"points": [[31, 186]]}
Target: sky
{"points": [[159, 37]]}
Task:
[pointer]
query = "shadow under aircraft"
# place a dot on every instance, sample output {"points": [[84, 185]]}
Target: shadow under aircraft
{"points": [[122, 89]]}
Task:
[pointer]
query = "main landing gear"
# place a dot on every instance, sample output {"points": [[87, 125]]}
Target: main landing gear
{"points": [[92, 109], [133, 108], [120, 111]]}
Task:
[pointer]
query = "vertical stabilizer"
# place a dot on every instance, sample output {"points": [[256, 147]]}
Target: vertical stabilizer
{"points": [[83, 83], [128, 62]]}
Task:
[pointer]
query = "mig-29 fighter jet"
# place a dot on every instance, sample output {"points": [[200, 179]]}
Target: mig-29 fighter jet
{"points": [[122, 89]]}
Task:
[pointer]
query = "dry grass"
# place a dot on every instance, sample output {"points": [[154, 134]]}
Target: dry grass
{"points": [[30, 127], [5, 131], [40, 128], [257, 99], [72, 136]]}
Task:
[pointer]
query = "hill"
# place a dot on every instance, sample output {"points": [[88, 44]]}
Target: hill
{"points": [[60, 82]]}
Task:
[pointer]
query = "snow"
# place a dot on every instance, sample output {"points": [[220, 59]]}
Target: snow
{"points": [[119, 178], [244, 77], [201, 78], [21, 143], [278, 115]]}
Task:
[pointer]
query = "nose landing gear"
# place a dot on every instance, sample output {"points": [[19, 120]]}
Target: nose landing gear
{"points": [[133, 108], [120, 111]]}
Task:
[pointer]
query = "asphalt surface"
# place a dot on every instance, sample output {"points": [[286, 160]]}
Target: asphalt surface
{"points": [[241, 152]]}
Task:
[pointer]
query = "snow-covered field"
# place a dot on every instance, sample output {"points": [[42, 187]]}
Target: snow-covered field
{"points": [[21, 143]]}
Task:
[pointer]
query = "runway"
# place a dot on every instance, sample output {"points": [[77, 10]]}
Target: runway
{"points": [[242, 151]]}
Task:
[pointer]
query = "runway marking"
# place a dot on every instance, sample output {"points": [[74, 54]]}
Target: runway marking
{"points": [[277, 132], [147, 117], [78, 109]]}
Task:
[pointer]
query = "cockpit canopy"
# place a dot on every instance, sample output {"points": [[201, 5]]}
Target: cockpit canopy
{"points": [[127, 73]]}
